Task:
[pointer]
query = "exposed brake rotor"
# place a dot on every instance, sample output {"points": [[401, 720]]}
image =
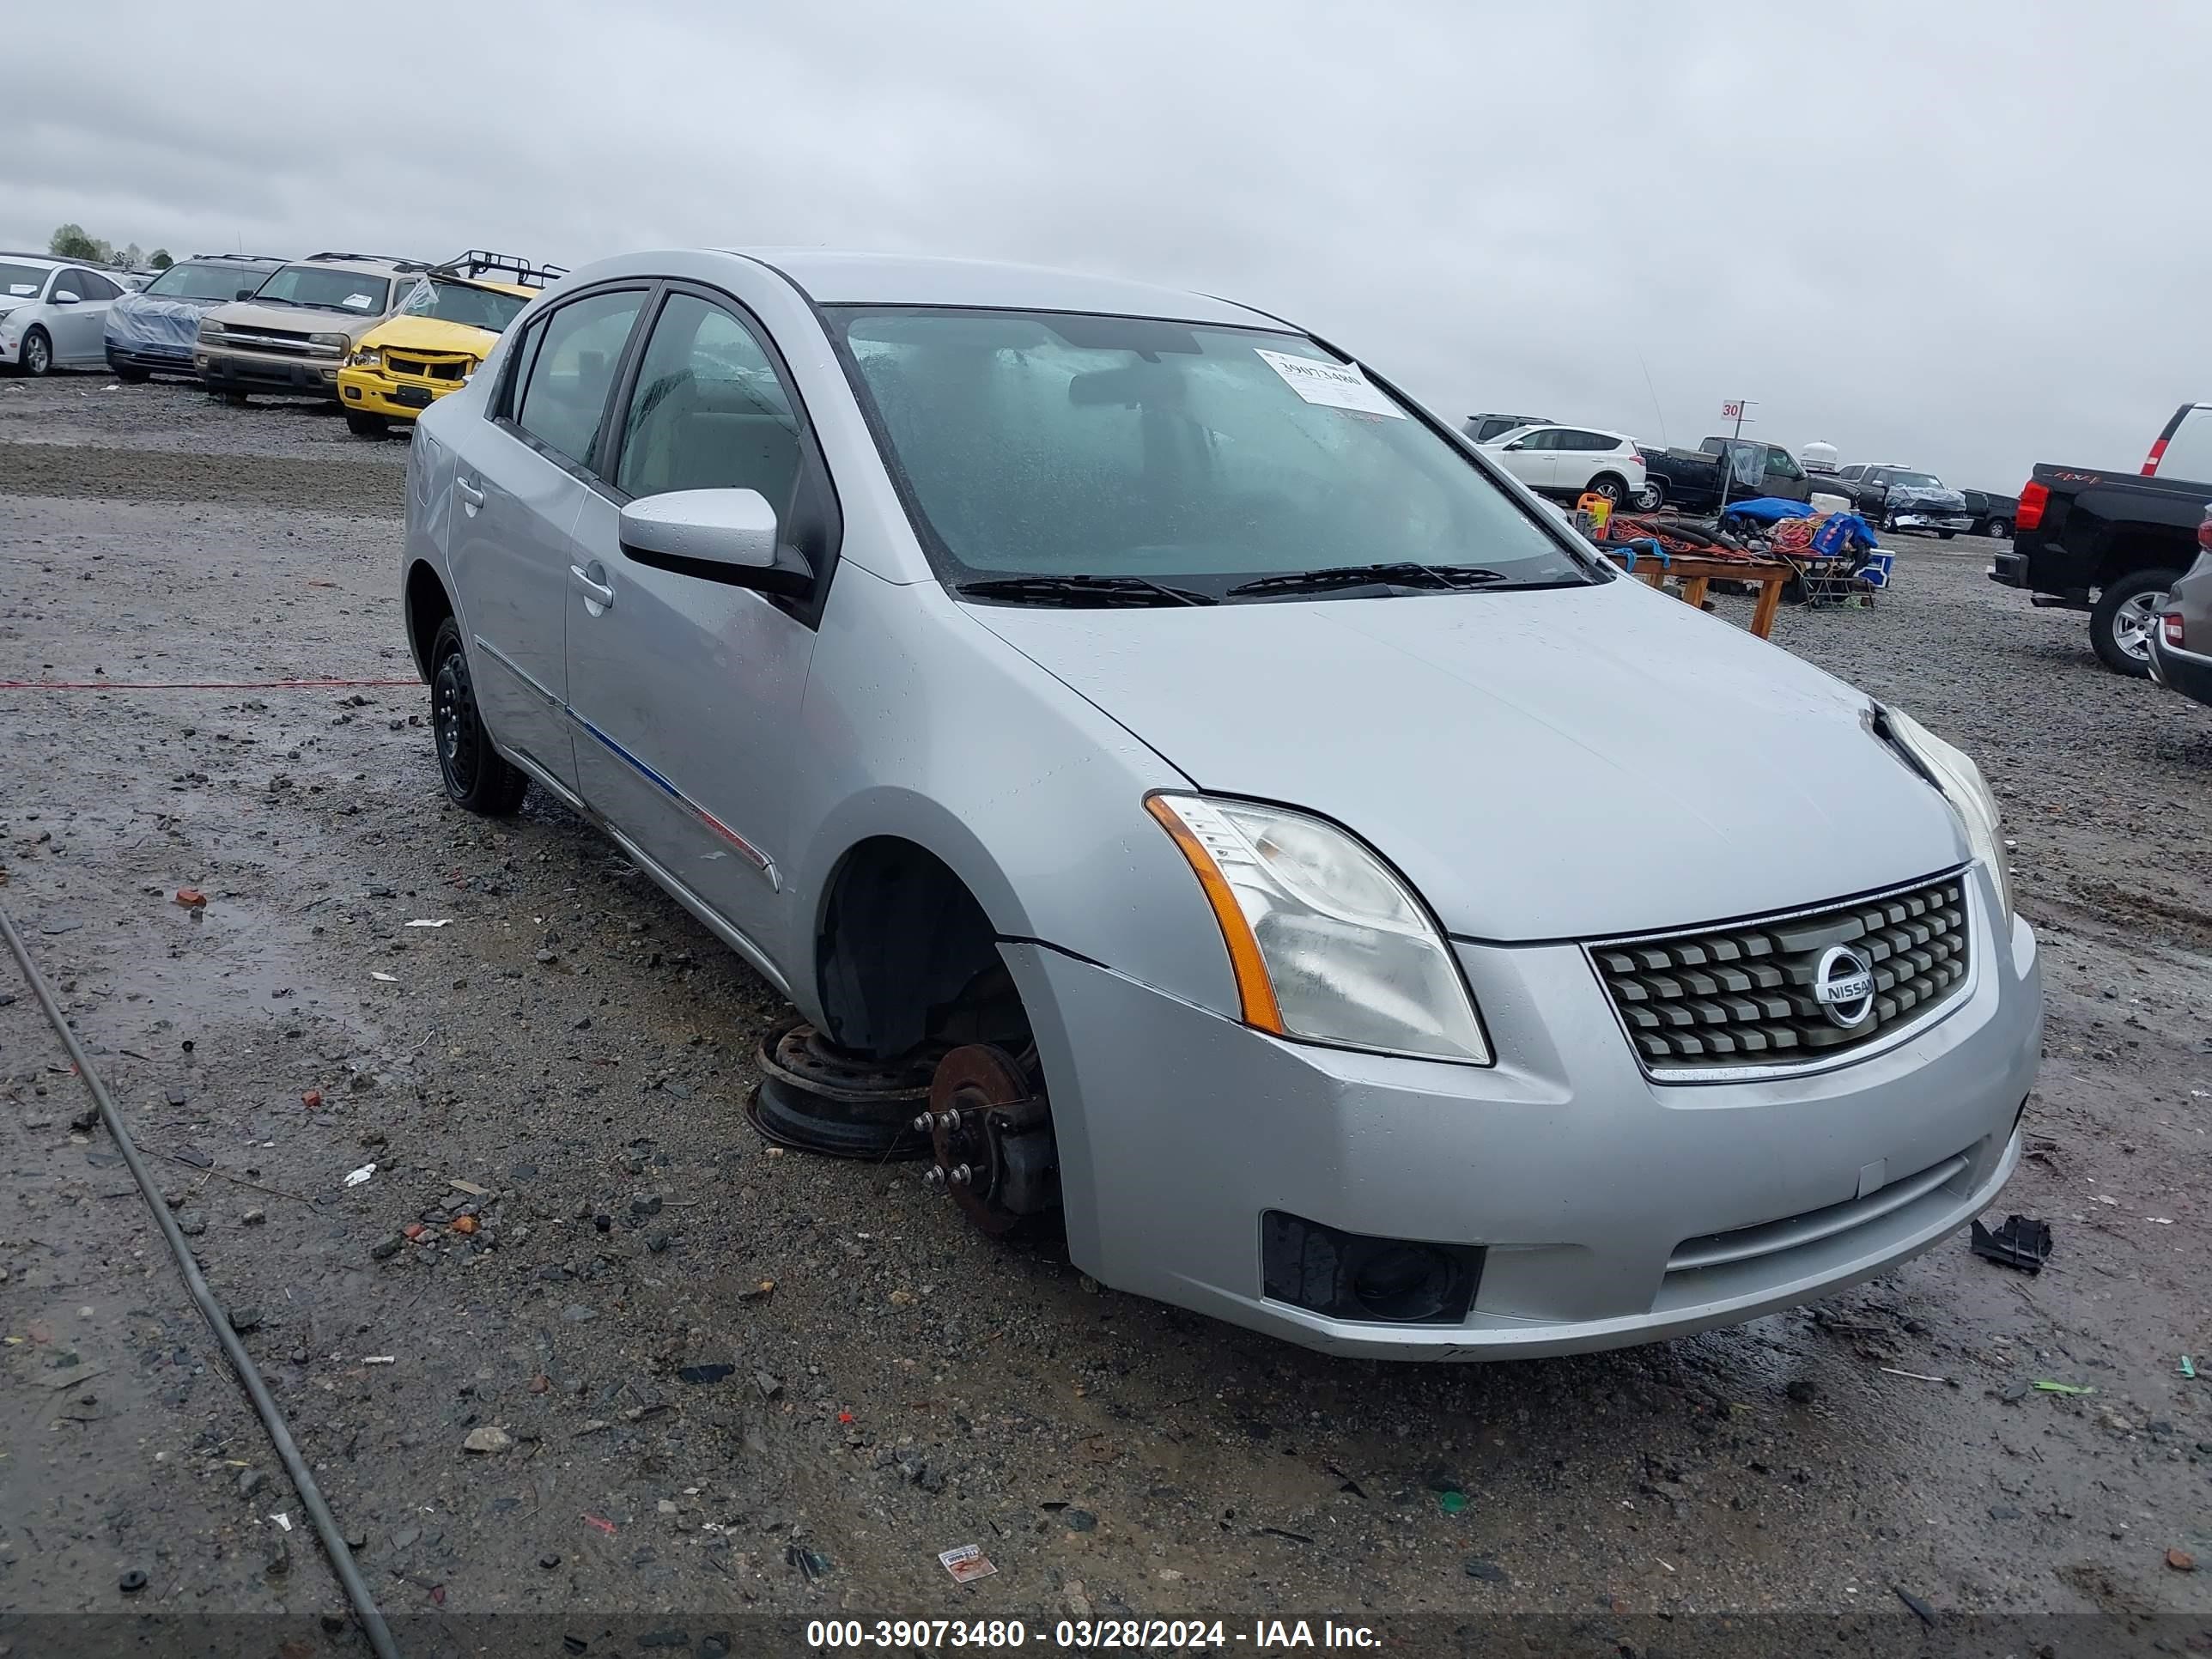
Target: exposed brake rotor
{"points": [[990, 1132], [816, 1098]]}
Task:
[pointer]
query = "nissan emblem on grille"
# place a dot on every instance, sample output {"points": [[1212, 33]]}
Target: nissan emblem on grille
{"points": [[1844, 985], [1804, 989]]}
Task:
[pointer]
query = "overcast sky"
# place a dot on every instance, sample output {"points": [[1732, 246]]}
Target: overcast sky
{"points": [[1963, 235]]}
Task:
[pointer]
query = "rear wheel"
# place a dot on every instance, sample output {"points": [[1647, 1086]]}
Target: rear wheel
{"points": [[38, 353], [2001, 528], [1611, 485], [2120, 624], [1652, 497], [365, 426], [477, 777]]}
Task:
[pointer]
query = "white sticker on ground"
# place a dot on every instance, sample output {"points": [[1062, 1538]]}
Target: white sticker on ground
{"points": [[1338, 386]]}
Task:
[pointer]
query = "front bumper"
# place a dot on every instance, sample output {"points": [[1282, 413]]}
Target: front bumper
{"points": [[374, 392], [243, 371], [153, 359], [2188, 672], [1911, 519], [1595, 1192]]}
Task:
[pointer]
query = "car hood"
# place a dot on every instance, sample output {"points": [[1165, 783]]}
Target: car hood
{"points": [[158, 318], [1564, 763], [431, 334], [292, 320], [1909, 495]]}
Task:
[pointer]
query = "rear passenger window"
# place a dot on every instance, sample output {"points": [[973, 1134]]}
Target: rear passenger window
{"points": [[707, 412], [565, 389]]}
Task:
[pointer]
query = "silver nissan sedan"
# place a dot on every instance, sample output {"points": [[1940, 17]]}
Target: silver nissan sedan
{"points": [[1192, 798]]}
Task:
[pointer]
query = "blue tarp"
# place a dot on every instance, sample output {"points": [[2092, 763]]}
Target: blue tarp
{"points": [[1767, 509]]}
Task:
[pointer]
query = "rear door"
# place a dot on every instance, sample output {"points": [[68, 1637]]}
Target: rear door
{"points": [[518, 487], [686, 688]]}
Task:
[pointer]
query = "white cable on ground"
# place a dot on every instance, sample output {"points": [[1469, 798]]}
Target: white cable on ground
{"points": [[311, 1496]]}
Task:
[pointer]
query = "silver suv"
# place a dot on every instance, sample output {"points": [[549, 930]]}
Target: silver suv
{"points": [[1256, 833], [290, 332]]}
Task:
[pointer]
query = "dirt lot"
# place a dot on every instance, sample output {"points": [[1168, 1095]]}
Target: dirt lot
{"points": [[575, 1048]]}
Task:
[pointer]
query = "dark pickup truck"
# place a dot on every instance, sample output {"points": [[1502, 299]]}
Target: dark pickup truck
{"points": [[1690, 479], [1993, 515], [2108, 543]]}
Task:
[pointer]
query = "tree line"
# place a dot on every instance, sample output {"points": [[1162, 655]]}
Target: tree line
{"points": [[72, 242]]}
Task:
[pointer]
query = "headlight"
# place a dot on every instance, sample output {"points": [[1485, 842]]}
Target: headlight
{"points": [[366, 360], [1327, 943], [339, 342], [210, 329], [1952, 771]]}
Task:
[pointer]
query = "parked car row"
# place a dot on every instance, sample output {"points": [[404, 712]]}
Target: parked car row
{"points": [[383, 337]]}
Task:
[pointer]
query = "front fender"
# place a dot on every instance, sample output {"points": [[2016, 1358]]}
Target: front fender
{"points": [[922, 725]]}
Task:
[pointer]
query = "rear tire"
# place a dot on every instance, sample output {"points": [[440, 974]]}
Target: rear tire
{"points": [[477, 777], [2124, 614], [1652, 497], [38, 353], [2001, 528], [365, 426], [1611, 485]]}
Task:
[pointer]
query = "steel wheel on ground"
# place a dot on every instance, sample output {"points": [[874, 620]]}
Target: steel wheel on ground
{"points": [[38, 353], [2121, 623], [476, 776]]}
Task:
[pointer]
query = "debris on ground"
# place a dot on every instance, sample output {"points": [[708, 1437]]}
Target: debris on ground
{"points": [[425, 922], [2046, 1385], [2188, 1367], [489, 1438], [311, 1099], [2021, 1243], [192, 898], [704, 1373], [1920, 1610], [2181, 1560], [811, 1564], [967, 1563], [356, 1177]]}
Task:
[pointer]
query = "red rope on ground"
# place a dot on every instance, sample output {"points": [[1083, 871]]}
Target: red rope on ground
{"points": [[193, 686]]}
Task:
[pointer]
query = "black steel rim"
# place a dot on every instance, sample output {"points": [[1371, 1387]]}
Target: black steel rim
{"points": [[453, 712]]}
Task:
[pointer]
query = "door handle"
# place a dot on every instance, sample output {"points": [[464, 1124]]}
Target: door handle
{"points": [[471, 497], [597, 593]]}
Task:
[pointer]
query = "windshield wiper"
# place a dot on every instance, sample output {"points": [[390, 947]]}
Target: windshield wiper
{"points": [[1402, 573], [1081, 590]]}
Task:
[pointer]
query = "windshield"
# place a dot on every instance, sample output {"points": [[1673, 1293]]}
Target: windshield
{"points": [[201, 281], [323, 288], [1915, 481], [1054, 443], [22, 282], [463, 302]]}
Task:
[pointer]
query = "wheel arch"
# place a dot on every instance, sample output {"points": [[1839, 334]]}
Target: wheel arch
{"points": [[427, 604]]}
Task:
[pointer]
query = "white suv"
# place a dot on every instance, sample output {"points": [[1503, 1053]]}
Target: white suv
{"points": [[1571, 460]]}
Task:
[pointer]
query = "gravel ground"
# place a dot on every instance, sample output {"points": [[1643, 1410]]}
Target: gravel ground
{"points": [[730, 1384]]}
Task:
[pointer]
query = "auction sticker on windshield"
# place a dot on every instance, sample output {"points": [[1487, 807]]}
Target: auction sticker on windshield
{"points": [[1338, 386]]}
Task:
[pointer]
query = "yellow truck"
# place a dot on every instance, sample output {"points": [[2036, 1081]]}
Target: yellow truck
{"points": [[433, 342]]}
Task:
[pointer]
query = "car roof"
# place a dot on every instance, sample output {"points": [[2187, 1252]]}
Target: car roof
{"points": [[46, 259], [829, 277], [360, 264]]}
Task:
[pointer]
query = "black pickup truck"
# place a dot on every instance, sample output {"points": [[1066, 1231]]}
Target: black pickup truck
{"points": [[1690, 480], [2108, 543]]}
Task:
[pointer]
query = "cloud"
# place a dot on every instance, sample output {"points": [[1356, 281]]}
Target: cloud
{"points": [[1955, 235]]}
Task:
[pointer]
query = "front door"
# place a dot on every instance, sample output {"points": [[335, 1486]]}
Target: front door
{"points": [[686, 689], [516, 498], [1536, 462], [80, 328]]}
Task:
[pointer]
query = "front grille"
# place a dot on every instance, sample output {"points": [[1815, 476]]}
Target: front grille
{"points": [[1744, 995], [428, 369], [270, 340]]}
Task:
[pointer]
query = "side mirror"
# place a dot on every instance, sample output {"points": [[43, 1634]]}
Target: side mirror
{"points": [[1514, 444], [717, 535], [243, 293], [65, 299]]}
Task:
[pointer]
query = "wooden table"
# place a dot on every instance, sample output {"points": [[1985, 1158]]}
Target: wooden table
{"points": [[1696, 573]]}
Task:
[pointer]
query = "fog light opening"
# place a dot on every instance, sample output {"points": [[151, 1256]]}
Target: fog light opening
{"points": [[1403, 1281]]}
